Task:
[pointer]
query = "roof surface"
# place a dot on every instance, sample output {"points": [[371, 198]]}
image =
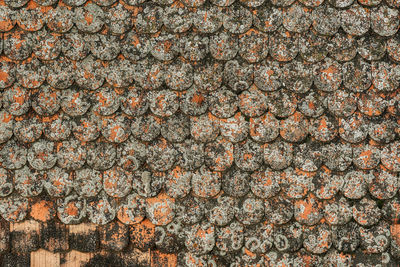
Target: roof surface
{"points": [[200, 133]]}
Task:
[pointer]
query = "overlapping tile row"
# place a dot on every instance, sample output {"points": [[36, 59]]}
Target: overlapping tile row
{"points": [[228, 133]]}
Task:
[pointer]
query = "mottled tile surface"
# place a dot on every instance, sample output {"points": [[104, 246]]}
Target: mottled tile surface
{"points": [[199, 133]]}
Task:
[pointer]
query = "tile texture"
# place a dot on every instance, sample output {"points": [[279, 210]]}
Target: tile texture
{"points": [[199, 133]]}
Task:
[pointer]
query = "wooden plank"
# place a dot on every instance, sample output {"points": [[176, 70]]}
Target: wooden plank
{"points": [[75, 258], [44, 258]]}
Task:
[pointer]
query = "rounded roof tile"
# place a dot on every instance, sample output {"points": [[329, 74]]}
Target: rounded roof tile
{"points": [[132, 210], [88, 182], [337, 156], [338, 211]]}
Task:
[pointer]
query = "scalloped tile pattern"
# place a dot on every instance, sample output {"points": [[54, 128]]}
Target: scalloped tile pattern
{"points": [[200, 133]]}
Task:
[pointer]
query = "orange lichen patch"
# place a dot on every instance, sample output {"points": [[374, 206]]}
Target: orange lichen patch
{"points": [[43, 257], [308, 210], [142, 235], [366, 156], [163, 259], [160, 209], [395, 231], [43, 210]]}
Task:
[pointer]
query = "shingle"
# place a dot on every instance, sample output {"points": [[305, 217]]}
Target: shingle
{"points": [[114, 236], [296, 18], [264, 128], [288, 237], [18, 44], [237, 19], [60, 19], [366, 212], [74, 45], [84, 237], [338, 211], [206, 183], [101, 209], [7, 18], [72, 209], [24, 237], [249, 210], [31, 18], [88, 182], [279, 210], [219, 154], [142, 235], [178, 182], [318, 239], [8, 69], [229, 238], [117, 182], [118, 19], [346, 238], [132, 210], [200, 238], [54, 236], [221, 210]]}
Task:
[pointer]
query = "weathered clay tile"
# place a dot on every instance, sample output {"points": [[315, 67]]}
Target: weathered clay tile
{"points": [[346, 238], [6, 185], [58, 182], [114, 236], [178, 182], [31, 73], [288, 237], [223, 46], [132, 210], [284, 45], [371, 47], [13, 155], [101, 209], [342, 47], [193, 46], [355, 185], [384, 20], [338, 211], [60, 19], [88, 18], [28, 182], [200, 238], [296, 18], [74, 45], [43, 210], [142, 235], [267, 18], [356, 20], [148, 183], [221, 210], [7, 18], [327, 184]]}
